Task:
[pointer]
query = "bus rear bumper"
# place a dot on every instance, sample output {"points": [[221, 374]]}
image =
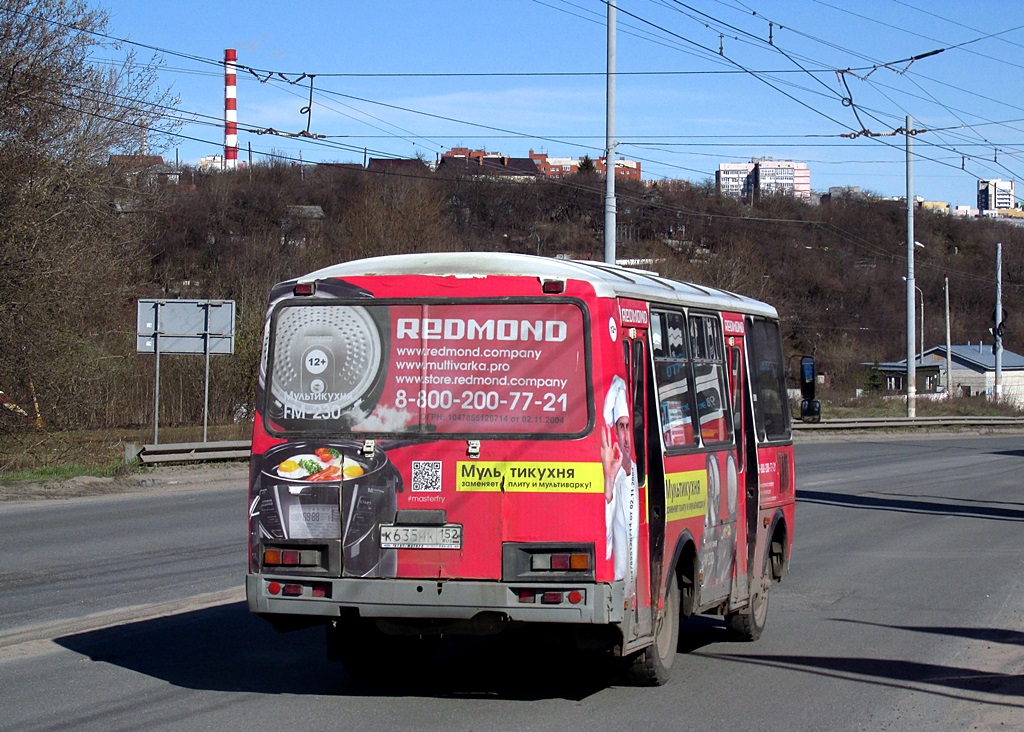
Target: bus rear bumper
{"points": [[595, 603]]}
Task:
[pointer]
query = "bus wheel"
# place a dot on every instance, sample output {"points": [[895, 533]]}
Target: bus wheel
{"points": [[653, 665], [748, 623]]}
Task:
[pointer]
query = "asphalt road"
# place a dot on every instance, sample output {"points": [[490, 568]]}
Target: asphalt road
{"points": [[904, 610]]}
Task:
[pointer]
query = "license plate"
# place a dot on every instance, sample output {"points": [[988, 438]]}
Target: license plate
{"points": [[448, 536]]}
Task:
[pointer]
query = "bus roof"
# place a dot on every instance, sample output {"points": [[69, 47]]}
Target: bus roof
{"points": [[608, 280]]}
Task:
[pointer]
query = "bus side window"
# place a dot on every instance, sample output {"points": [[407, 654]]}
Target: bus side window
{"points": [[713, 405], [672, 375], [768, 380], [737, 394], [737, 387], [639, 400]]}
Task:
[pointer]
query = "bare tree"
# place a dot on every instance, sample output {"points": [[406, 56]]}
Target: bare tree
{"points": [[69, 259], [396, 214]]}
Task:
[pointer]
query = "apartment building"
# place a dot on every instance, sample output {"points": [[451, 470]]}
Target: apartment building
{"points": [[763, 176], [995, 194], [624, 169], [735, 179], [551, 167], [561, 167]]}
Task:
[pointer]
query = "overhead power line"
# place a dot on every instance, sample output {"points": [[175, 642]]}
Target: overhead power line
{"points": [[648, 31]]}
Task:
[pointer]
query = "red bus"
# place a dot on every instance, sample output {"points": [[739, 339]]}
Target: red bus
{"points": [[452, 444]]}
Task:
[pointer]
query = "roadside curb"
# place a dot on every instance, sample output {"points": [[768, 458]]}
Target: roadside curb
{"points": [[36, 639]]}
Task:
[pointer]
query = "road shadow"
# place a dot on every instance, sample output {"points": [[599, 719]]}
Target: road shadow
{"points": [[893, 672], [221, 648], [701, 631], [989, 635], [954, 681], [226, 648], [901, 504], [960, 500]]}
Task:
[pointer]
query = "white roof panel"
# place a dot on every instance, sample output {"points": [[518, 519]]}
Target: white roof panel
{"points": [[608, 280]]}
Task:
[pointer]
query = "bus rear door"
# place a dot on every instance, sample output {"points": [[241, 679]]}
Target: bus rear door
{"points": [[744, 500]]}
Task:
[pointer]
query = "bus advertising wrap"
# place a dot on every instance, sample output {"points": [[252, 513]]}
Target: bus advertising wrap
{"points": [[428, 368], [341, 366]]}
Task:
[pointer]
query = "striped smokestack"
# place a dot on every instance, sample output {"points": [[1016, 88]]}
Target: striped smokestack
{"points": [[230, 110]]}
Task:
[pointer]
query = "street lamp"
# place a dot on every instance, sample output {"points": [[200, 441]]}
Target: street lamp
{"points": [[921, 357]]}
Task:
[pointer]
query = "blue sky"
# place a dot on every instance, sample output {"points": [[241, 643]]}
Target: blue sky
{"points": [[698, 82]]}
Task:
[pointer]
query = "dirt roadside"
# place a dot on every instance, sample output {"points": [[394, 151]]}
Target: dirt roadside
{"points": [[162, 479]]}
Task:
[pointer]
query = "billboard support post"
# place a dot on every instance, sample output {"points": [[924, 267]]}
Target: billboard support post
{"points": [[156, 386], [207, 332], [206, 377], [185, 327]]}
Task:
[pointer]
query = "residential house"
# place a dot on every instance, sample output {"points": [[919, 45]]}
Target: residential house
{"points": [[412, 167], [972, 372], [499, 167]]}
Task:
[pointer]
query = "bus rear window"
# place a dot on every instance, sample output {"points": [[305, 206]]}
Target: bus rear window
{"points": [[476, 367]]}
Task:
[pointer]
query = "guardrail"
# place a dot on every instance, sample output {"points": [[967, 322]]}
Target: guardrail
{"points": [[868, 423], [184, 452]]}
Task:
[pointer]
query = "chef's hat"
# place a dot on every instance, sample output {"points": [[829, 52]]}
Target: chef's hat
{"points": [[615, 405]]}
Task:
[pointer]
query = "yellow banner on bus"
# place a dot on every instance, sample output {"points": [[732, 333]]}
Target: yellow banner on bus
{"points": [[686, 495], [529, 477]]}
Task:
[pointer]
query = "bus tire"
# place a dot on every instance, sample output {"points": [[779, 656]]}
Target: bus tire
{"points": [[653, 665], [748, 623]]}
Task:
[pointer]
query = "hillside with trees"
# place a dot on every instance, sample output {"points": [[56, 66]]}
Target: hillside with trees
{"points": [[83, 236]]}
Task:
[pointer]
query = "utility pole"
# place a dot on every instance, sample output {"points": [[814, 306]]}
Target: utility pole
{"points": [[997, 328], [911, 299], [609, 143], [949, 345]]}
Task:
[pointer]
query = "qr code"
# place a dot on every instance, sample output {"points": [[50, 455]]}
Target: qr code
{"points": [[426, 476]]}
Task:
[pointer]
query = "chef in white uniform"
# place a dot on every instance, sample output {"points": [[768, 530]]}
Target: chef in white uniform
{"points": [[622, 509]]}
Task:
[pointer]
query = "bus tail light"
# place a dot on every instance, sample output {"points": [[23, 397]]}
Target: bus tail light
{"points": [[560, 562], [550, 597], [299, 589], [291, 557], [547, 562]]}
